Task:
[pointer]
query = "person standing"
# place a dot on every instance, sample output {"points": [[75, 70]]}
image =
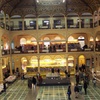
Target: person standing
{"points": [[4, 86], [69, 92], [85, 87], [94, 82], [34, 81], [30, 83], [76, 90]]}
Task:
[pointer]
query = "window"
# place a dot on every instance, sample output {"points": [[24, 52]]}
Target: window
{"points": [[46, 22], [70, 22], [57, 22], [32, 23]]}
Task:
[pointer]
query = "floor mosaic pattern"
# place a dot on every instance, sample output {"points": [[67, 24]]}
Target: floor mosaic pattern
{"points": [[20, 91], [52, 93], [93, 92], [17, 91]]}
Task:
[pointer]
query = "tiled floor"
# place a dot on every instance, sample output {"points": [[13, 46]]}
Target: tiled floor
{"points": [[93, 93], [19, 91], [52, 93]]}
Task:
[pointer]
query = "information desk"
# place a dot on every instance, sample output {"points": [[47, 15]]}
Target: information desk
{"points": [[53, 75]]}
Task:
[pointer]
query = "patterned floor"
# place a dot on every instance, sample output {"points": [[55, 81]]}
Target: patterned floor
{"points": [[93, 92], [16, 91], [19, 91], [52, 93]]}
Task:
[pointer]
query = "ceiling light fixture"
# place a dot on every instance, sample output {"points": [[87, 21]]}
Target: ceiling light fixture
{"points": [[63, 1], [37, 0]]}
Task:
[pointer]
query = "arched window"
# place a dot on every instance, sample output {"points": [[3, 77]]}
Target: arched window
{"points": [[22, 41], [81, 40]]}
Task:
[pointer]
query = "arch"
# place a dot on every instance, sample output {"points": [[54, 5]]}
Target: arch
{"points": [[71, 65], [52, 36], [46, 38], [5, 42], [81, 60], [72, 15], [44, 16], [24, 64], [23, 41], [86, 14], [30, 16], [58, 15], [57, 38], [16, 16], [71, 39], [33, 62]]}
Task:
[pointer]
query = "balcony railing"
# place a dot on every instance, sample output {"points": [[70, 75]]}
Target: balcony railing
{"points": [[15, 28]]}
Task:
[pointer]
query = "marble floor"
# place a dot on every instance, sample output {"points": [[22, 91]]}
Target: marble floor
{"points": [[20, 91]]}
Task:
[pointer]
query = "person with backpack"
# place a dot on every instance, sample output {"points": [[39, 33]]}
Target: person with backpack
{"points": [[76, 90]]}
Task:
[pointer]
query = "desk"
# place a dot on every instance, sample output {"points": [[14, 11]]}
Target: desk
{"points": [[72, 26], [43, 27], [30, 27], [87, 26], [73, 50], [53, 75], [58, 26], [59, 50], [45, 50], [16, 51], [88, 49], [15, 28], [30, 51]]}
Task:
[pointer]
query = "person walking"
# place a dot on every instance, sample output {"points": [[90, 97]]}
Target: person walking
{"points": [[34, 82], [4, 86], [76, 90], [30, 83], [85, 86], [69, 92]]}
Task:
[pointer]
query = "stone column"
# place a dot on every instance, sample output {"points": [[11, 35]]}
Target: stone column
{"points": [[67, 64], [23, 28], [1, 73], [67, 46], [38, 64], [95, 64], [51, 22], [65, 22], [37, 27], [38, 47]]}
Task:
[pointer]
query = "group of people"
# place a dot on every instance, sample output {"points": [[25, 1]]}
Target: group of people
{"points": [[32, 81], [82, 77]]}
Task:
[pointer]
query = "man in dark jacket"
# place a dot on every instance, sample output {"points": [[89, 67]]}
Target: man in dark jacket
{"points": [[34, 81], [85, 86]]}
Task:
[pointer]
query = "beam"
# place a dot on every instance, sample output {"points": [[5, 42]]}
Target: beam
{"points": [[87, 5], [4, 3], [15, 6], [35, 7]]}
